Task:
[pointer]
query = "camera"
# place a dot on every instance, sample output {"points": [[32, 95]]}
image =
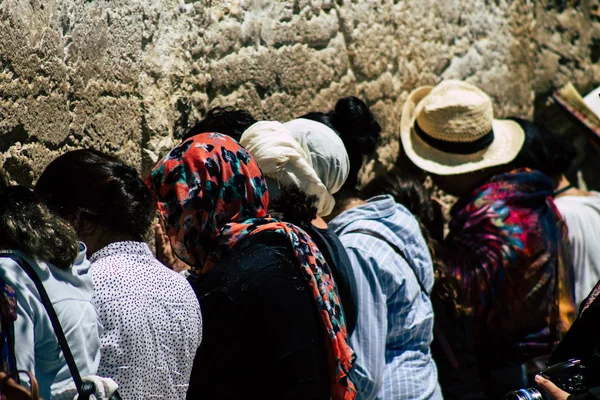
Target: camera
{"points": [[570, 376]]}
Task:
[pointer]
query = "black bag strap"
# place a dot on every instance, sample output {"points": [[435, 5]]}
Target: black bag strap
{"points": [[395, 248], [84, 390]]}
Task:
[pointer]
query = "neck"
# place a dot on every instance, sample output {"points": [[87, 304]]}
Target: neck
{"points": [[319, 223], [351, 203], [344, 204], [96, 243], [561, 185], [560, 182]]}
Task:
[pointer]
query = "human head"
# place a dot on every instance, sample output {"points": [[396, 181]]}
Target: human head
{"points": [[293, 205], [450, 130], [227, 120], [461, 184], [413, 195], [201, 186], [103, 198], [357, 127], [26, 224], [301, 153], [544, 150]]}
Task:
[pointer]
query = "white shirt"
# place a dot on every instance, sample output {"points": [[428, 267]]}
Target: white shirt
{"points": [[36, 346], [152, 322], [582, 215]]}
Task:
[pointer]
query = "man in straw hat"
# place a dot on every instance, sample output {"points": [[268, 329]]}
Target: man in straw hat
{"points": [[506, 238]]}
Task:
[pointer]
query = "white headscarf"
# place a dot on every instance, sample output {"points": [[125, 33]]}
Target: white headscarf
{"points": [[302, 152]]}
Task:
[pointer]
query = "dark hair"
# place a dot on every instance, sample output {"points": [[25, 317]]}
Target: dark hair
{"points": [[92, 186], [26, 224], [357, 127], [294, 206], [226, 120], [544, 150], [413, 195]]}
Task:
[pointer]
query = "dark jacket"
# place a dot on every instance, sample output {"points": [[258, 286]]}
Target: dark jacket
{"points": [[453, 349], [582, 342], [335, 254], [262, 337]]}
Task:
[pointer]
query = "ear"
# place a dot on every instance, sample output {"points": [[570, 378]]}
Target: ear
{"points": [[87, 229], [73, 220]]}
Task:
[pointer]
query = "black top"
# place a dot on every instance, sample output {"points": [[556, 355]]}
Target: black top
{"points": [[453, 349], [263, 336], [335, 254], [580, 342]]}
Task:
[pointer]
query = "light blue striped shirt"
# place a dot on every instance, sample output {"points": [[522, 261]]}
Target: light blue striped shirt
{"points": [[395, 318]]}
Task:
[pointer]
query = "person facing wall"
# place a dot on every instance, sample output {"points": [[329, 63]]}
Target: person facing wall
{"points": [[552, 154], [50, 246], [393, 271], [273, 322], [453, 347], [506, 241], [151, 317], [305, 160]]}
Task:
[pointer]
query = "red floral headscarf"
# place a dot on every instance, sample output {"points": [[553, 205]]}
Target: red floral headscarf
{"points": [[212, 195]]}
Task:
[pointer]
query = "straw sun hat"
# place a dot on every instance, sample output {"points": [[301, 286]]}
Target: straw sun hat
{"points": [[450, 129]]}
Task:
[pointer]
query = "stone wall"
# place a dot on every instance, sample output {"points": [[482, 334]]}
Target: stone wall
{"points": [[129, 76]]}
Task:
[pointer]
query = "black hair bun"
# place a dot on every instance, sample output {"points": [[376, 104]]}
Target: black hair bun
{"points": [[136, 210], [544, 149], [356, 125]]}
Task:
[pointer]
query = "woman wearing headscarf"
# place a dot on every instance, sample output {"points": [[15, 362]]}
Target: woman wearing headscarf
{"points": [[310, 157], [273, 321]]}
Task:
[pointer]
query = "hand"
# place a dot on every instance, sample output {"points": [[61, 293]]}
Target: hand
{"points": [[551, 389], [164, 251]]}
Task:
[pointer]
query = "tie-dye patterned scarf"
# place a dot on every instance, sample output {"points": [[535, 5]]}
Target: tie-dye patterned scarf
{"points": [[509, 249], [212, 195]]}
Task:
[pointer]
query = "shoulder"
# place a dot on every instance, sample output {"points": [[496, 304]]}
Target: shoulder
{"points": [[261, 253], [256, 247], [578, 207], [13, 273]]}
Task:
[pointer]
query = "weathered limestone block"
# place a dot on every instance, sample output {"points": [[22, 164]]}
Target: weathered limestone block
{"points": [[131, 76], [69, 78]]}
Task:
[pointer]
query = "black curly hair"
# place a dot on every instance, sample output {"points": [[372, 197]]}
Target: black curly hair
{"points": [[413, 195], [96, 187], [356, 125], [544, 149], [27, 225], [294, 206], [226, 120]]}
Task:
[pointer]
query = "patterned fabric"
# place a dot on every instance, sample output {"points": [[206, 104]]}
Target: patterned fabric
{"points": [[394, 328], [8, 315], [509, 249], [591, 298], [152, 322], [212, 195]]}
